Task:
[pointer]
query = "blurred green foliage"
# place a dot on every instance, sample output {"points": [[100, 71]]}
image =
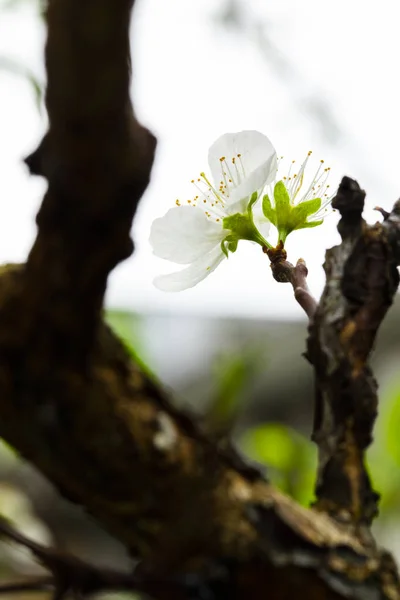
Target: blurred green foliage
{"points": [[40, 5], [384, 453], [127, 327], [290, 458], [233, 373], [14, 66]]}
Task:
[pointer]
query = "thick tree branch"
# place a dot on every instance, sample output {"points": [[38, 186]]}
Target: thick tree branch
{"points": [[362, 279], [74, 404], [97, 159], [71, 575]]}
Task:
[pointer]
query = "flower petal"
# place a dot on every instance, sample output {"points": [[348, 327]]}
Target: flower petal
{"points": [[255, 182], [184, 234], [257, 162], [192, 275], [262, 223]]}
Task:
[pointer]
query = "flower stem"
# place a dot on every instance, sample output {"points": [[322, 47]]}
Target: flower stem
{"points": [[264, 242]]}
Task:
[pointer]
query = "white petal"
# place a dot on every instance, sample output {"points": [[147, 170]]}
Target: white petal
{"points": [[192, 275], [255, 182], [257, 154], [184, 234], [262, 223]]}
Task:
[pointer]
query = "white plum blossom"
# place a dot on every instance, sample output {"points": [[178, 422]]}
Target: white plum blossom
{"points": [[317, 187], [201, 231], [298, 206]]}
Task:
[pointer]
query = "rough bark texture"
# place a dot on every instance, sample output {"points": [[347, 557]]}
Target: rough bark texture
{"points": [[203, 523], [362, 279]]}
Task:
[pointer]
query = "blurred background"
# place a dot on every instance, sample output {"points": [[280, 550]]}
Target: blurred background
{"points": [[308, 75]]}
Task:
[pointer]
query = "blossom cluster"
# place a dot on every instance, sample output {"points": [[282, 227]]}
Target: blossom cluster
{"points": [[207, 228]]}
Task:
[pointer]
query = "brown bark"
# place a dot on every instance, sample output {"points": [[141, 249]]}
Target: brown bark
{"points": [[74, 404]]}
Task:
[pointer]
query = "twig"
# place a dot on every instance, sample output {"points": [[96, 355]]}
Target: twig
{"points": [[70, 574], [284, 272], [385, 214], [30, 585]]}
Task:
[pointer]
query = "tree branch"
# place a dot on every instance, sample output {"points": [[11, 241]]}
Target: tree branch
{"points": [[72, 575], [362, 279], [37, 584], [97, 159], [284, 272], [73, 403]]}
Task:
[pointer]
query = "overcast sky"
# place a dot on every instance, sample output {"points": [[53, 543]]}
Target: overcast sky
{"points": [[308, 76]]}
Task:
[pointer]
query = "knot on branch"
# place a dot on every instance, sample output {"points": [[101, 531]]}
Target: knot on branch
{"points": [[349, 201], [284, 272]]}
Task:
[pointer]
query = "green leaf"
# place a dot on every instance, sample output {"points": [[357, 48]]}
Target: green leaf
{"points": [[310, 224], [243, 228], [232, 245], [285, 216], [268, 211], [283, 207], [240, 225], [302, 211], [253, 200], [229, 244], [224, 247]]}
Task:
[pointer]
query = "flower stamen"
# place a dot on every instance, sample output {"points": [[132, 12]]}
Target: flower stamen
{"points": [[224, 165], [239, 156], [236, 169], [211, 188]]}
